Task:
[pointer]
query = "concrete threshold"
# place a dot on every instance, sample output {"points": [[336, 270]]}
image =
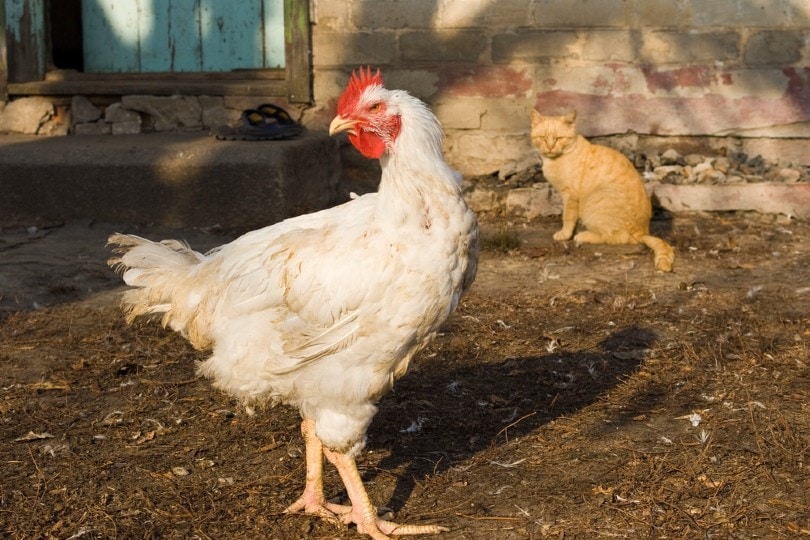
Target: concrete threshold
{"points": [[169, 179]]}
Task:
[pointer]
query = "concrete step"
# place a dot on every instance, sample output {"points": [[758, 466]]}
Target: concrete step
{"points": [[169, 179]]}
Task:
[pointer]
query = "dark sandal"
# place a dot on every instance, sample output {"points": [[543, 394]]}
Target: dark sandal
{"points": [[268, 122]]}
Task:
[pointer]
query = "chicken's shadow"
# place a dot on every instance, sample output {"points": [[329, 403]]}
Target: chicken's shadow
{"points": [[437, 418]]}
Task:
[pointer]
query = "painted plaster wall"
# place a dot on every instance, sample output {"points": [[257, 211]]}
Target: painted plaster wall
{"points": [[657, 67]]}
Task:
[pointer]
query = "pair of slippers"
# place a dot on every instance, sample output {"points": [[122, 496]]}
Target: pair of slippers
{"points": [[266, 122]]}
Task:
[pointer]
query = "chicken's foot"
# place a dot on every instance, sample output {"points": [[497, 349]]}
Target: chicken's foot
{"points": [[362, 513], [312, 501]]}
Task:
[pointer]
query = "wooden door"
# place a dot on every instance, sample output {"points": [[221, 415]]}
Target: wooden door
{"points": [[153, 36]]}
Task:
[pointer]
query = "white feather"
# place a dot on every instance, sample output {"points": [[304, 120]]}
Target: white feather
{"points": [[323, 311]]}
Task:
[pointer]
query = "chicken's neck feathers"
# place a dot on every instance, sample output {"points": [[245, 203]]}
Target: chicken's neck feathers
{"points": [[414, 172]]}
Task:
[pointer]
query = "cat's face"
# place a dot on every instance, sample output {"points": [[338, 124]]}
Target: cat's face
{"points": [[553, 135]]}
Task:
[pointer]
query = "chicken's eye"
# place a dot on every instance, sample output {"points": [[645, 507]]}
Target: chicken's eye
{"points": [[375, 108]]}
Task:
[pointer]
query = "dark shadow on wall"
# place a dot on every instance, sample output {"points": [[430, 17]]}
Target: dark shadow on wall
{"points": [[463, 63]]}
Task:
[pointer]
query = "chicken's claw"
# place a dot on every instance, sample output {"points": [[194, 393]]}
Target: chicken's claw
{"points": [[399, 529], [362, 513]]}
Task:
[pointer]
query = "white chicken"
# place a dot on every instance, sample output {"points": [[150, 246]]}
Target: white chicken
{"points": [[324, 311]]}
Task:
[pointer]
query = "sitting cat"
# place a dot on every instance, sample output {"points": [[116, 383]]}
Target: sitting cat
{"points": [[599, 186]]}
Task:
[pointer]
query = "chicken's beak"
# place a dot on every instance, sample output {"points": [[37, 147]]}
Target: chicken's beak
{"points": [[342, 124]]}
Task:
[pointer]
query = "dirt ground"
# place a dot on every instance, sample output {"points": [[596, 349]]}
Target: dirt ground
{"points": [[575, 393]]}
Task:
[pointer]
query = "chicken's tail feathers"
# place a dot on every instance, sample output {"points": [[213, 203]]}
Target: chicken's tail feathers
{"points": [[159, 273], [134, 256]]}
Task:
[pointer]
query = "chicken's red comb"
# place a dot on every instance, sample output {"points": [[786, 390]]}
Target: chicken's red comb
{"points": [[363, 78], [359, 81]]}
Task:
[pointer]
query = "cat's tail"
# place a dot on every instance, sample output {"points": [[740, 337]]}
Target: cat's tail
{"points": [[664, 254]]}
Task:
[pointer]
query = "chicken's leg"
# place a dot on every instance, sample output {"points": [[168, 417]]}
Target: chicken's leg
{"points": [[312, 501], [363, 513]]}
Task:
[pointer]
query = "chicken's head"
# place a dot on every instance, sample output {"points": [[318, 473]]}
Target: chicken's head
{"points": [[365, 111]]}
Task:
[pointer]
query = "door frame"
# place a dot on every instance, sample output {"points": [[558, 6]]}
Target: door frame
{"points": [[24, 58]]}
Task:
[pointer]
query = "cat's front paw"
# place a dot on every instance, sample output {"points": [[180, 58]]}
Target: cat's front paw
{"points": [[562, 235]]}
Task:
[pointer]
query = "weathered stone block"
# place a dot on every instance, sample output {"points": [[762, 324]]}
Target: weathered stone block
{"points": [[421, 83], [390, 14], [593, 80], [459, 113], [330, 16], [354, 48], [25, 115], [214, 112], [486, 81], [611, 45], [172, 113], [658, 14], [502, 115], [464, 46], [484, 14], [533, 46], [669, 47], [485, 200], [117, 113], [579, 13], [751, 13], [533, 202], [796, 151], [477, 153], [774, 48], [82, 110], [789, 199]]}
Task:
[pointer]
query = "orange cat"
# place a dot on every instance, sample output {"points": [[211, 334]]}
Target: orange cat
{"points": [[599, 187]]}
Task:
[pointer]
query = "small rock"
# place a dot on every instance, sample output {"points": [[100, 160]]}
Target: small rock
{"points": [[788, 175], [653, 161], [701, 167], [694, 159], [711, 176], [669, 173], [117, 113], [59, 123], [737, 158], [755, 166], [688, 175], [672, 157], [82, 111], [722, 164]]}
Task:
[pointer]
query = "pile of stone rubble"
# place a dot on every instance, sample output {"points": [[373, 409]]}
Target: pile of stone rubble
{"points": [[733, 168], [670, 167], [734, 181], [131, 115]]}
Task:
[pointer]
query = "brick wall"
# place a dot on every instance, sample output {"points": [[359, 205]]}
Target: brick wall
{"points": [[660, 67]]}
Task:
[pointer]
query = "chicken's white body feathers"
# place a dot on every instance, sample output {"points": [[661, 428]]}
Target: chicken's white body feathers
{"points": [[323, 311]]}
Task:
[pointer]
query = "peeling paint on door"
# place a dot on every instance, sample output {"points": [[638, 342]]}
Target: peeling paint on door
{"points": [[141, 36]]}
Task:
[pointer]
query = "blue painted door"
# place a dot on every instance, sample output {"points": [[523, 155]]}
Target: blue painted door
{"points": [[142, 36]]}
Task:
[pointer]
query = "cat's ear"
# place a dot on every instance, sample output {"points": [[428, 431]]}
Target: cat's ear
{"points": [[571, 117], [536, 116]]}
